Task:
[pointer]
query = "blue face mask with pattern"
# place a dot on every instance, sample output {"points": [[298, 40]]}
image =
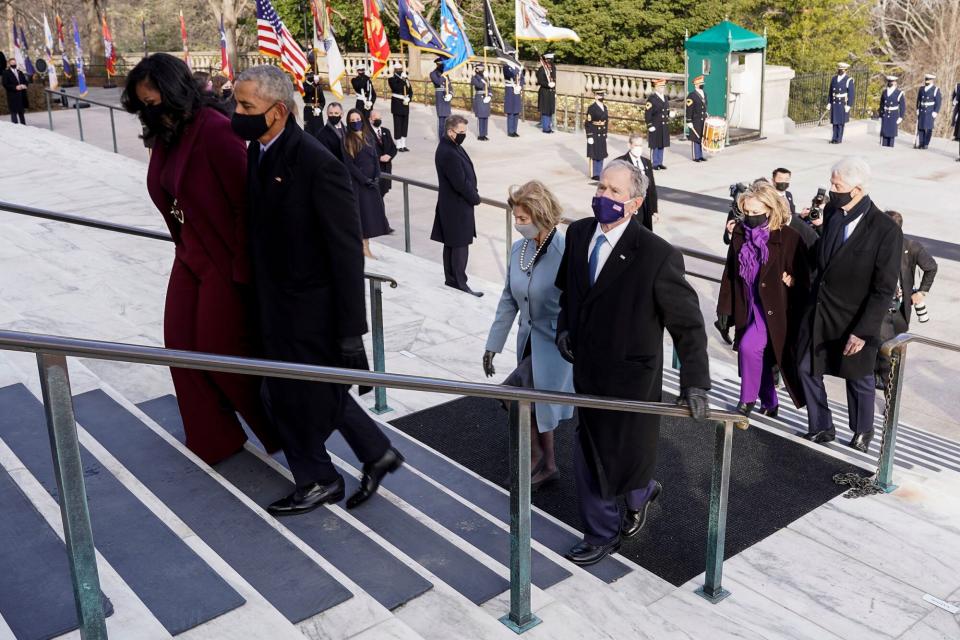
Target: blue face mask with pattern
{"points": [[607, 210]]}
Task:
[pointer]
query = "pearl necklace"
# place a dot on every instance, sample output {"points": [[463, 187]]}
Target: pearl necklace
{"points": [[523, 251]]}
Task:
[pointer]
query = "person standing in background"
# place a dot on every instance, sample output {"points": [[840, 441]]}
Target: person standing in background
{"points": [[331, 134], [513, 81], [386, 149], [647, 212], [547, 92], [442, 96], [893, 107], [313, 98], [929, 101], [366, 94], [595, 126], [696, 118], [363, 162], [481, 102], [15, 83], [401, 93], [657, 117], [839, 100]]}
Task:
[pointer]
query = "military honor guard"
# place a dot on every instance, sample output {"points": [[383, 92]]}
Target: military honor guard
{"points": [[386, 150], [401, 93], [442, 94], [481, 101], [513, 82], [929, 100], [696, 118], [366, 94], [657, 116], [547, 92], [596, 128], [839, 100], [955, 122], [893, 107], [313, 99]]}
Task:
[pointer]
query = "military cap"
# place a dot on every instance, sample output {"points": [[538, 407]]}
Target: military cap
{"points": [[929, 76], [659, 82], [843, 65], [548, 56], [892, 78], [698, 80]]}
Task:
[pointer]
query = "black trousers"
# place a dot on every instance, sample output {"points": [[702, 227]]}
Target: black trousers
{"points": [[455, 266], [400, 125], [17, 114], [861, 394]]}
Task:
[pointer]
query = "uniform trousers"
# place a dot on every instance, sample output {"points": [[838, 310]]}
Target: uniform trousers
{"points": [[601, 516], [482, 127], [400, 125], [597, 167], [441, 121], [924, 137], [656, 156], [861, 394], [696, 150], [512, 121], [837, 133], [886, 142], [756, 359], [455, 266], [546, 122], [15, 115], [204, 312]]}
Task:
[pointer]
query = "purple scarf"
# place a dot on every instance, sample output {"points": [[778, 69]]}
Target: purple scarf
{"points": [[753, 253]]}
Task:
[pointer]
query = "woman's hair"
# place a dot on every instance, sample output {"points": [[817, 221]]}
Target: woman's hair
{"points": [[770, 198], [537, 200], [180, 97], [354, 141], [218, 82]]}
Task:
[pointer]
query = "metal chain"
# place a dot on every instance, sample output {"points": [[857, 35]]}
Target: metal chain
{"points": [[862, 486]]}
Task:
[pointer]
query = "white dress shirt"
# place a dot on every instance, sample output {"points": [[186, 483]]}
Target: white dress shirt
{"points": [[613, 237]]}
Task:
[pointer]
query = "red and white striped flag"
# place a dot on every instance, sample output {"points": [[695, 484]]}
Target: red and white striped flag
{"points": [[183, 36], [273, 39]]}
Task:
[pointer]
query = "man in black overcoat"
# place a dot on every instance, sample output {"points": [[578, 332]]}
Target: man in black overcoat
{"points": [[621, 285], [386, 148], [305, 246], [330, 134], [454, 222], [648, 208], [15, 83], [857, 266]]}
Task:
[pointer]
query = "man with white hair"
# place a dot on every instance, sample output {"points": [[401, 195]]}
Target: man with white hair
{"points": [[621, 285], [857, 266], [307, 255]]}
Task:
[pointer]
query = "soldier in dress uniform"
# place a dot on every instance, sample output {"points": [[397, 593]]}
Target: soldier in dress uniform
{"points": [[893, 107], [481, 101], [839, 101], [547, 93], [401, 93], [366, 94], [313, 99], [657, 116], [697, 118], [442, 94], [596, 127], [386, 150], [929, 100], [513, 81]]}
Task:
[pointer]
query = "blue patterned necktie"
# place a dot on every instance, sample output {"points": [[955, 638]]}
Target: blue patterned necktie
{"points": [[595, 258]]}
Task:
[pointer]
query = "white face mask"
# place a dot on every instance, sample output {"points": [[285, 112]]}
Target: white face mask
{"points": [[528, 231], [636, 152]]}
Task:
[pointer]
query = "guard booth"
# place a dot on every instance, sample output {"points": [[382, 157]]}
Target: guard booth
{"points": [[732, 61]]}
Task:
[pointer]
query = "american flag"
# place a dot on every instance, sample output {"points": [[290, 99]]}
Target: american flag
{"points": [[274, 39]]}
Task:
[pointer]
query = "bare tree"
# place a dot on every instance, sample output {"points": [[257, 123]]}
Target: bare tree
{"points": [[230, 11]]}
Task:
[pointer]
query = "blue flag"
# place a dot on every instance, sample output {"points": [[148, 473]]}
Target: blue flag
{"points": [[81, 78], [416, 31], [27, 62], [454, 37]]}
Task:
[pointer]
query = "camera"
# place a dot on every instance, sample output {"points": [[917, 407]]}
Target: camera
{"points": [[816, 206], [922, 315], [735, 191]]}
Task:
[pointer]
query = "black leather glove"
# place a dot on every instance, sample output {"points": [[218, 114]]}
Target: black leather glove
{"points": [[372, 183], [488, 369], [354, 356], [696, 400], [723, 326], [564, 346]]}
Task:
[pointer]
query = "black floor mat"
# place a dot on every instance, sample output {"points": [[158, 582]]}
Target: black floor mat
{"points": [[773, 481]]}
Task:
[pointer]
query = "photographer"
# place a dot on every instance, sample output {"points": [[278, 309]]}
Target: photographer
{"points": [[734, 214]]}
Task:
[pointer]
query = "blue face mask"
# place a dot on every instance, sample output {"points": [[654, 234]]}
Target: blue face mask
{"points": [[607, 211], [356, 126]]}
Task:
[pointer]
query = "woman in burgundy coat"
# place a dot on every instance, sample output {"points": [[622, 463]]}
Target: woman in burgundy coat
{"points": [[764, 287], [197, 179]]}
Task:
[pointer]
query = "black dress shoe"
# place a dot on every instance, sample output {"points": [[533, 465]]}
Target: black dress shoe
{"points": [[861, 441], [662, 167], [821, 437], [771, 412], [745, 408], [479, 294], [585, 554], [633, 521], [373, 474], [307, 498]]}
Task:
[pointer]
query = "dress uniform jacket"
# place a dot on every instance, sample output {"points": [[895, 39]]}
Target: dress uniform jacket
{"points": [[893, 107], [313, 98], [657, 116], [534, 296], [616, 330], [841, 96], [929, 101], [363, 85], [955, 122], [596, 127], [16, 100], [697, 113], [454, 223], [650, 204], [513, 89], [441, 87], [547, 95], [399, 89], [481, 90], [852, 293]]}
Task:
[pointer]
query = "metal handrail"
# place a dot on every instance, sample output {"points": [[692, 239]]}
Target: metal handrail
{"points": [[52, 353], [62, 94]]}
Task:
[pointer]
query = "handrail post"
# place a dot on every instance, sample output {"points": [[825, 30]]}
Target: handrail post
{"points": [[712, 588], [113, 129], [379, 359], [406, 217], [884, 478], [520, 618], [49, 109], [79, 120], [509, 237], [74, 513]]}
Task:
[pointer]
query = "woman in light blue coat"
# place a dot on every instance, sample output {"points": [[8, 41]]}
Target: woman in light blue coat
{"points": [[531, 292]]}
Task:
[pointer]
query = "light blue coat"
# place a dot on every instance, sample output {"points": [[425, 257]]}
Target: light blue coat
{"points": [[534, 295]]}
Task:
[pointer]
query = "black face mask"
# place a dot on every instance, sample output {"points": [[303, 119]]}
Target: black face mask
{"points": [[250, 126], [840, 199], [377, 122], [754, 221], [459, 138], [781, 186], [333, 120], [227, 93], [700, 87], [152, 117], [890, 83]]}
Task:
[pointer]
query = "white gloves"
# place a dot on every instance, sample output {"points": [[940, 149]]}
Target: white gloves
{"points": [[899, 120], [367, 105], [934, 114], [486, 99], [589, 140], [316, 78], [551, 84], [672, 113], [651, 129], [447, 97], [317, 111], [847, 109], [406, 101]]}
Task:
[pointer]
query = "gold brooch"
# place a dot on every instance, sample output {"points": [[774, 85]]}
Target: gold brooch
{"points": [[176, 211]]}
